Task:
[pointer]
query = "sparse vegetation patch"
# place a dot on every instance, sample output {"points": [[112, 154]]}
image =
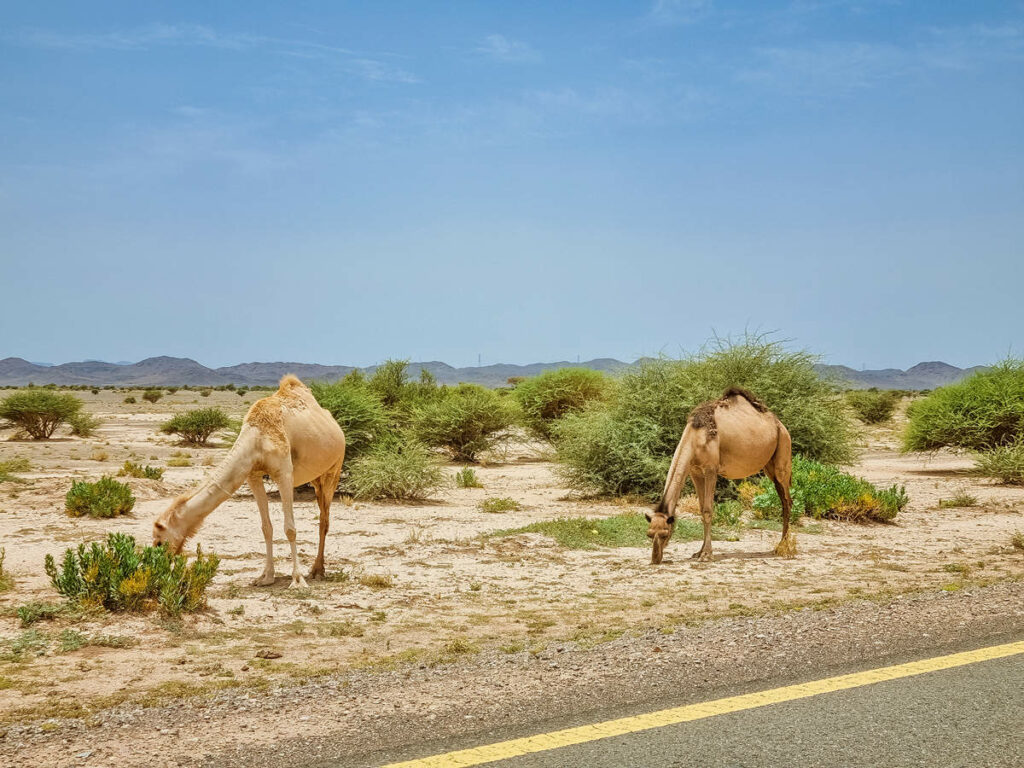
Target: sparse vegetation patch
{"points": [[500, 504], [104, 498], [627, 530], [132, 469]]}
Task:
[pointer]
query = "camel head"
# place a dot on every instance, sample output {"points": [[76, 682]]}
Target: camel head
{"points": [[170, 529], [662, 524]]}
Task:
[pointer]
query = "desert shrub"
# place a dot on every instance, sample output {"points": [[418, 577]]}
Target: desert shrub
{"points": [[1005, 463], [152, 395], [873, 406], [626, 530], [196, 427], [357, 409], [465, 421], [500, 504], [104, 498], [131, 469], [83, 424], [466, 478], [959, 499], [6, 582], [9, 467], [119, 575], [821, 490], [130, 400], [205, 392], [1017, 541], [30, 613], [394, 469], [981, 412], [548, 397], [38, 411], [625, 445]]}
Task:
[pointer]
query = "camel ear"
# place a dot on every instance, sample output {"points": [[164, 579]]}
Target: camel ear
{"points": [[648, 516], [671, 519], [159, 525]]}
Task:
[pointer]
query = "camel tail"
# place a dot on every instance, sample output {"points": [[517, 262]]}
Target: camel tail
{"points": [[676, 476]]}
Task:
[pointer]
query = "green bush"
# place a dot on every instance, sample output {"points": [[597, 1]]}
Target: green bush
{"points": [[500, 504], [821, 490], [196, 427], [130, 400], [466, 478], [873, 406], [83, 424], [39, 412], [104, 498], [1005, 463], [395, 469], [625, 446], [9, 467], [548, 397], [118, 575], [979, 413], [465, 421], [358, 411], [152, 395], [30, 613], [205, 392], [131, 469]]}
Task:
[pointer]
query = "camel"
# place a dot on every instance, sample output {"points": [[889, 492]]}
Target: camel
{"points": [[735, 436], [287, 436]]}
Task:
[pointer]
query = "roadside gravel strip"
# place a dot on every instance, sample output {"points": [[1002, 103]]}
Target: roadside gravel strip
{"points": [[353, 719]]}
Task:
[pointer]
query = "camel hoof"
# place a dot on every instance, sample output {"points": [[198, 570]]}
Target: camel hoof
{"points": [[786, 547], [263, 581], [298, 583], [317, 574], [701, 556]]}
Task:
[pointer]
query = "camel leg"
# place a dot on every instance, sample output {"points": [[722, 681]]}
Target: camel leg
{"points": [[780, 470], [260, 494], [706, 482], [284, 483], [325, 486]]}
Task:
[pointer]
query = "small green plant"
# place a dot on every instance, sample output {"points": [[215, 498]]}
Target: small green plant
{"points": [[822, 490], [960, 499], [1017, 541], [152, 395], [340, 629], [71, 640], [465, 421], [9, 467], [30, 613], [873, 406], [466, 478], [377, 580], [39, 412], [395, 469], [1005, 463], [131, 469], [104, 498], [500, 504], [546, 398], [728, 513], [30, 643], [626, 530], [83, 424], [6, 581], [205, 392], [196, 427], [130, 400], [118, 575]]}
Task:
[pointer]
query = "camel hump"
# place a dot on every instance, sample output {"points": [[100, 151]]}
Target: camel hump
{"points": [[289, 382], [740, 392]]}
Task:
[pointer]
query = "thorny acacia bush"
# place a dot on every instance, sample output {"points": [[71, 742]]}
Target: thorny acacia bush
{"points": [[625, 445], [982, 412], [358, 411], [465, 420], [873, 406], [820, 490], [39, 412], [196, 427], [104, 498], [118, 575], [1005, 463], [546, 398], [395, 469], [152, 395]]}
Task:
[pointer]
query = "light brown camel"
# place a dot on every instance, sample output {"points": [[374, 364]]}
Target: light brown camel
{"points": [[735, 436], [287, 436]]}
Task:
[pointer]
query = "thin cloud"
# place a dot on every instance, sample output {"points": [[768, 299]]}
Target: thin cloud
{"points": [[676, 12], [501, 48]]}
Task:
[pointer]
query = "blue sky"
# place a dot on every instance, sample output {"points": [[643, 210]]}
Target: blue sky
{"points": [[344, 182]]}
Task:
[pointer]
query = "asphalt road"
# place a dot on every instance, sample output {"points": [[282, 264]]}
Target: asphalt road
{"points": [[968, 716]]}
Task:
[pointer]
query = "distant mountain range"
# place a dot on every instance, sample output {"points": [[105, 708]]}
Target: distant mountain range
{"points": [[181, 371]]}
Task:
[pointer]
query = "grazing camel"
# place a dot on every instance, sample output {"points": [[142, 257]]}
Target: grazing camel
{"points": [[735, 436], [287, 436]]}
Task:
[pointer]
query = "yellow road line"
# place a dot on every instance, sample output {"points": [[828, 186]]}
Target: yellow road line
{"points": [[584, 733]]}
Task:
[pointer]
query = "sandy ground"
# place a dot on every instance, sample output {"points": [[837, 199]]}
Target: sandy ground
{"points": [[454, 591]]}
